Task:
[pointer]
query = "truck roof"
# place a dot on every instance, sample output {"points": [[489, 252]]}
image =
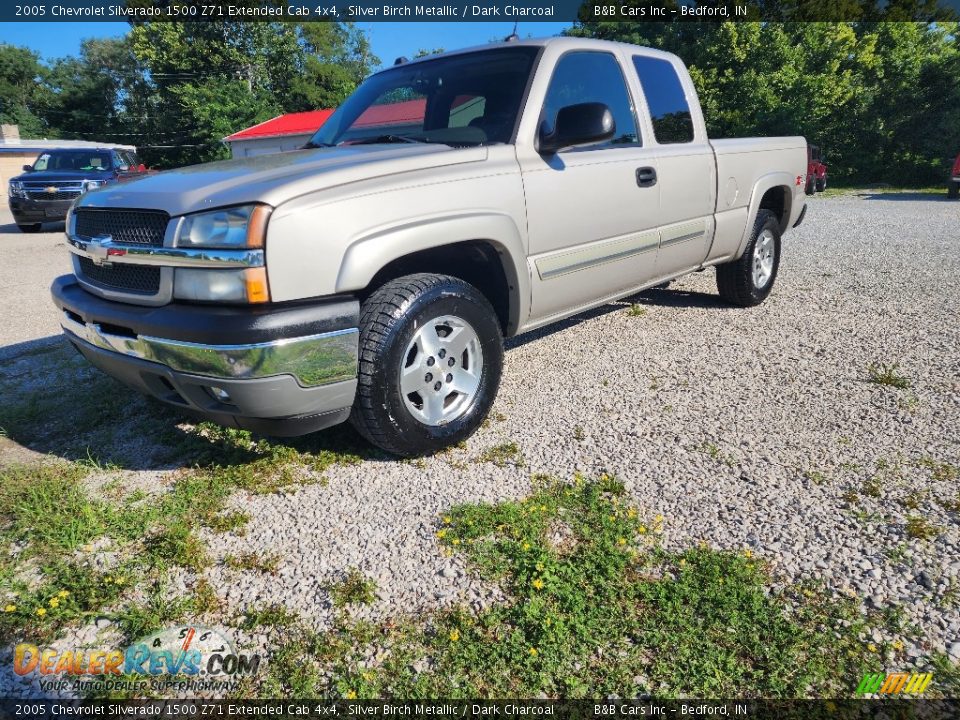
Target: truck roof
{"points": [[564, 43]]}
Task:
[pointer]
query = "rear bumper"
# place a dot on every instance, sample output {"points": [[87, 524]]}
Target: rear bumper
{"points": [[28, 212], [280, 371]]}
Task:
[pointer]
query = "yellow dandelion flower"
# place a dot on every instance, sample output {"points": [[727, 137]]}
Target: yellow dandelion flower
{"points": [[63, 593], [642, 529], [534, 652], [351, 695], [548, 622], [659, 518], [368, 676], [748, 553], [682, 562], [10, 608], [632, 513], [441, 534], [621, 541], [456, 541], [108, 579], [543, 508], [539, 566], [897, 644], [41, 611], [454, 635], [119, 580], [54, 602], [872, 648], [446, 520], [525, 546], [538, 584]]}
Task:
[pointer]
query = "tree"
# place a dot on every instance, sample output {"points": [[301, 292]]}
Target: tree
{"points": [[22, 90]]}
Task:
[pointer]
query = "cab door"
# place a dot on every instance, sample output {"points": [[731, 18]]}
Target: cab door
{"points": [[591, 211]]}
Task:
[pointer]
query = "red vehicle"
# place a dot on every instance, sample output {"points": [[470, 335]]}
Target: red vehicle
{"points": [[953, 189], [816, 171]]}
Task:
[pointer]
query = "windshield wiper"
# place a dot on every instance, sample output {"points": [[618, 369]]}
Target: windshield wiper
{"points": [[311, 144], [384, 139]]}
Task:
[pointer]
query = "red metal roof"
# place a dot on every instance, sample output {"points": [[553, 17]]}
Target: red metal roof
{"points": [[300, 123]]}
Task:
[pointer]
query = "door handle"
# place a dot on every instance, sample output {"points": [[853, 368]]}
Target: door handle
{"points": [[646, 177]]}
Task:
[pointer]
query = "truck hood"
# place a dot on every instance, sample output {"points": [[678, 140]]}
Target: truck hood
{"points": [[274, 179], [41, 176]]}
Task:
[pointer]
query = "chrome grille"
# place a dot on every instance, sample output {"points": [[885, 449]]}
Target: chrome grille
{"points": [[53, 190], [137, 227], [139, 279]]}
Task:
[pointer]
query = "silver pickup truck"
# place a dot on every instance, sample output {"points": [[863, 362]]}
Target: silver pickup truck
{"points": [[450, 202]]}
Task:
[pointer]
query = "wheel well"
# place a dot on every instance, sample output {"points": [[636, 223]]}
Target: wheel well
{"points": [[477, 262], [777, 200]]}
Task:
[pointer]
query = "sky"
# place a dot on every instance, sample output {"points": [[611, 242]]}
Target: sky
{"points": [[389, 40]]}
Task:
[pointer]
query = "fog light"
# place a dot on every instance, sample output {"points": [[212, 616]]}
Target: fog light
{"points": [[220, 394]]}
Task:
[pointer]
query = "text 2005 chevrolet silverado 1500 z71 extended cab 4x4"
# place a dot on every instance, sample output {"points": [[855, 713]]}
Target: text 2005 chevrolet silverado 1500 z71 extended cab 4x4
{"points": [[449, 202]]}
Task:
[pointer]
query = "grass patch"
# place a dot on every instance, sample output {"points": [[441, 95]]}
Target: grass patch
{"points": [[595, 608], [254, 562], [636, 310], [922, 529], [940, 471], [272, 616], [506, 453], [354, 589], [884, 374]]}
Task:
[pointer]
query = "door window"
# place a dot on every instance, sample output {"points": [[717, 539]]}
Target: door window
{"points": [[582, 77], [668, 105]]}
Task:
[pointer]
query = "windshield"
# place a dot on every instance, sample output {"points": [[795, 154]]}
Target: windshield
{"points": [[73, 160], [462, 100]]}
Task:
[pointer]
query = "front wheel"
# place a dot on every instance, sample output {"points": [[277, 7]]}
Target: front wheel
{"points": [[748, 280], [431, 354], [953, 192]]}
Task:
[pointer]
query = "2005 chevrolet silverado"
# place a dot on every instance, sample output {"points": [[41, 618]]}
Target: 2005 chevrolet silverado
{"points": [[448, 203]]}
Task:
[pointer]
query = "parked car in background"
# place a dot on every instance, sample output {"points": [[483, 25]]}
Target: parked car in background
{"points": [[953, 189], [816, 171], [46, 189]]}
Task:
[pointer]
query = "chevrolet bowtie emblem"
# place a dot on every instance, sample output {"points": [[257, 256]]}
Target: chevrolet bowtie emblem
{"points": [[51, 189], [99, 249]]}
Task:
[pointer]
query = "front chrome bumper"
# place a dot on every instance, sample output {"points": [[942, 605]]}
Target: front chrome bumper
{"points": [[313, 360]]}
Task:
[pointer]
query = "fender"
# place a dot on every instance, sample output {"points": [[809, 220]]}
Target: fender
{"points": [[766, 182], [370, 252]]}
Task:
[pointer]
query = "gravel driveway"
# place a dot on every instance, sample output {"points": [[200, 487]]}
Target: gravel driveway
{"points": [[744, 428]]}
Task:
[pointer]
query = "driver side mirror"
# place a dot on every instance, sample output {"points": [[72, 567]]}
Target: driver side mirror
{"points": [[28, 168], [582, 124]]}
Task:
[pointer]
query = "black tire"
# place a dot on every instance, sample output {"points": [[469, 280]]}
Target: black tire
{"points": [[735, 280], [809, 189], [35, 228], [953, 192], [389, 319], [822, 184]]}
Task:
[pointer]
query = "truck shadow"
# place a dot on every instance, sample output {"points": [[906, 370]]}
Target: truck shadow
{"points": [[57, 404], [12, 229], [652, 297]]}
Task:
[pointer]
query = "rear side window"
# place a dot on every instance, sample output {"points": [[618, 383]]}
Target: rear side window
{"points": [[582, 77], [669, 110]]}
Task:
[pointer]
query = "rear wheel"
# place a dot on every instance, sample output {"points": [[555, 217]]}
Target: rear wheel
{"points": [[822, 184], [431, 354], [748, 281], [34, 228], [953, 192]]}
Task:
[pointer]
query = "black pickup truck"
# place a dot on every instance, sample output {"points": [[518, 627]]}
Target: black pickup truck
{"points": [[58, 177]]}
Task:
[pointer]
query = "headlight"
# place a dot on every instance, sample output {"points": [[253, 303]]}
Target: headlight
{"points": [[16, 189], [205, 285], [230, 228], [89, 185]]}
